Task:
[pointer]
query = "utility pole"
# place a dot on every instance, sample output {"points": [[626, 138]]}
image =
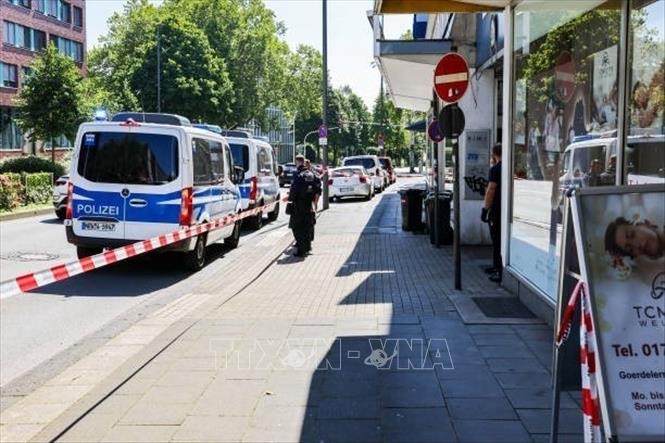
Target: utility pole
{"points": [[325, 100], [159, 68]]}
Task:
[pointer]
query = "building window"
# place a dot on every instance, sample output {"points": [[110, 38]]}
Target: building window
{"points": [[78, 17], [24, 3], [11, 137], [644, 157], [9, 75], [564, 122], [55, 8], [64, 12], [70, 48], [24, 37]]}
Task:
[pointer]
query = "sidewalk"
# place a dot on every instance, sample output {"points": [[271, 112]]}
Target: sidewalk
{"points": [[357, 342]]}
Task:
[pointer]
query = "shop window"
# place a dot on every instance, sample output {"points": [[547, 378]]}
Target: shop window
{"points": [[8, 75], [564, 122], [645, 146]]}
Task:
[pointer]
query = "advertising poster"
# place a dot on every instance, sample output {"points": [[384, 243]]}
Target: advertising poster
{"points": [[622, 244], [476, 164]]}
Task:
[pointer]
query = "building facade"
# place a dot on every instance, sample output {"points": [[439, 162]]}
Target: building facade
{"points": [[27, 27], [577, 96], [279, 132]]}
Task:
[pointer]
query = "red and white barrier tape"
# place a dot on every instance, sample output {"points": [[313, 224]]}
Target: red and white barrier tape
{"points": [[590, 406], [60, 272]]}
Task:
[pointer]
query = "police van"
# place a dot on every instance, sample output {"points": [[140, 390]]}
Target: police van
{"points": [[261, 176], [144, 175]]}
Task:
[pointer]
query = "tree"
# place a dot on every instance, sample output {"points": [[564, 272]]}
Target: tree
{"points": [[194, 82], [391, 125], [51, 102]]}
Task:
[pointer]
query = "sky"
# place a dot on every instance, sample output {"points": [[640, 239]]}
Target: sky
{"points": [[350, 45]]}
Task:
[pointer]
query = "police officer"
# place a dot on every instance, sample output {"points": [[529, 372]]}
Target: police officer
{"points": [[303, 197]]}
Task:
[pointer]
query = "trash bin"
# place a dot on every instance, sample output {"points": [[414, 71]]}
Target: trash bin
{"points": [[445, 230], [412, 209]]}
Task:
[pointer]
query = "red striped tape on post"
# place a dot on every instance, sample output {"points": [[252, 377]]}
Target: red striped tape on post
{"points": [[34, 280]]}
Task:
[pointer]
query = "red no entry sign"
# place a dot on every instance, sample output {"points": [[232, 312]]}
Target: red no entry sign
{"points": [[451, 77]]}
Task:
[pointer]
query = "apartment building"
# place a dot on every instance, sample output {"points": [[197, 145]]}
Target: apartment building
{"points": [[27, 27]]}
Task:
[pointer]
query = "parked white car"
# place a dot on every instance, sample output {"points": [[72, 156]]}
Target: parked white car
{"points": [[372, 165], [60, 196], [351, 181]]}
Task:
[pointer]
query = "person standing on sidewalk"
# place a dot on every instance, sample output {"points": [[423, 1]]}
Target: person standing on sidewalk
{"points": [[303, 198], [491, 214]]}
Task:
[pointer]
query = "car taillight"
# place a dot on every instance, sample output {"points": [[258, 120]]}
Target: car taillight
{"points": [[186, 207], [253, 188], [69, 213], [363, 179], [330, 182]]}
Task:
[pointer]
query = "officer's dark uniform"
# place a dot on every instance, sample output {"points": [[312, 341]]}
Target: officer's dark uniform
{"points": [[304, 187]]}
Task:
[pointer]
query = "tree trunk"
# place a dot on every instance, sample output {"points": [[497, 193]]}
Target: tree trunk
{"points": [[52, 151]]}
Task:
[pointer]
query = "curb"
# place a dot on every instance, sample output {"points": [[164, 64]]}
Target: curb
{"points": [[26, 214]]}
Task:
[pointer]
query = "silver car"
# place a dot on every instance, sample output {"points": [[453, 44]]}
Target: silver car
{"points": [[60, 196], [350, 181]]}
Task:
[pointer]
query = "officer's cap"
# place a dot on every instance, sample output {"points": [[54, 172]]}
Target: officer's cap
{"points": [[300, 157]]}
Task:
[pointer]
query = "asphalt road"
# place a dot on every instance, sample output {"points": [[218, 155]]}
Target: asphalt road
{"points": [[49, 328]]}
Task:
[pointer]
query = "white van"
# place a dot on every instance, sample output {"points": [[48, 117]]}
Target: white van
{"points": [[372, 164], [145, 175], [260, 185], [591, 160]]}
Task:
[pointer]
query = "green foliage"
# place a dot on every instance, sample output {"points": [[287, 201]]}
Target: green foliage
{"points": [[11, 191], [31, 164], [38, 187], [51, 102], [194, 82]]}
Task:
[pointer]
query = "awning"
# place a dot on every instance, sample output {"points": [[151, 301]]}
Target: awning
{"points": [[434, 6], [419, 126]]}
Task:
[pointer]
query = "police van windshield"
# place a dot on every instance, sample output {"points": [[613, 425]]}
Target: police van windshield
{"points": [[367, 163], [240, 155], [117, 157]]}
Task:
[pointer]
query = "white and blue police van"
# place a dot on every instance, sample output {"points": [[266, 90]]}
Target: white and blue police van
{"points": [[144, 175], [261, 176]]}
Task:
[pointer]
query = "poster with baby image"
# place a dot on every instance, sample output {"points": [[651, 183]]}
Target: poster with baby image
{"points": [[621, 245]]}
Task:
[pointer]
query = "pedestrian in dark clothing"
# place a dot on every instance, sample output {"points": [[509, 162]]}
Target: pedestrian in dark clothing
{"points": [[303, 198], [491, 214]]}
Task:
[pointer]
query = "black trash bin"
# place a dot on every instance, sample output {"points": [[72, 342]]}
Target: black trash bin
{"points": [[445, 229], [412, 209]]}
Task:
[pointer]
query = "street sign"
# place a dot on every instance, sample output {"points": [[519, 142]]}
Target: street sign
{"points": [[564, 76], [434, 132], [323, 132], [323, 141], [451, 121], [451, 77]]}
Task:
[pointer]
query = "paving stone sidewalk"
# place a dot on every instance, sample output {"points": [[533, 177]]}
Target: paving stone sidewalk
{"points": [[357, 342]]}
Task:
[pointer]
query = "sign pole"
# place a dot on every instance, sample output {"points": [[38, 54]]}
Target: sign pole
{"points": [[456, 210], [437, 222], [325, 101]]}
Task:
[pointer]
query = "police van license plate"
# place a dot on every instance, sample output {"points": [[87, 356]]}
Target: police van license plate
{"points": [[98, 226], [346, 189]]}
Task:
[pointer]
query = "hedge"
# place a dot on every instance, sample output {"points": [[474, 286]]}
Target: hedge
{"points": [[22, 189], [11, 191], [32, 164]]}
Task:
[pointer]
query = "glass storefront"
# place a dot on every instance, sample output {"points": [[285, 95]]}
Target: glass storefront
{"points": [[566, 113]]}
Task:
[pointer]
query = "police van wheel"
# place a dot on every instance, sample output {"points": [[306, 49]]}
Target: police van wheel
{"points": [[272, 216], [83, 252], [196, 258], [234, 239], [256, 222]]}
